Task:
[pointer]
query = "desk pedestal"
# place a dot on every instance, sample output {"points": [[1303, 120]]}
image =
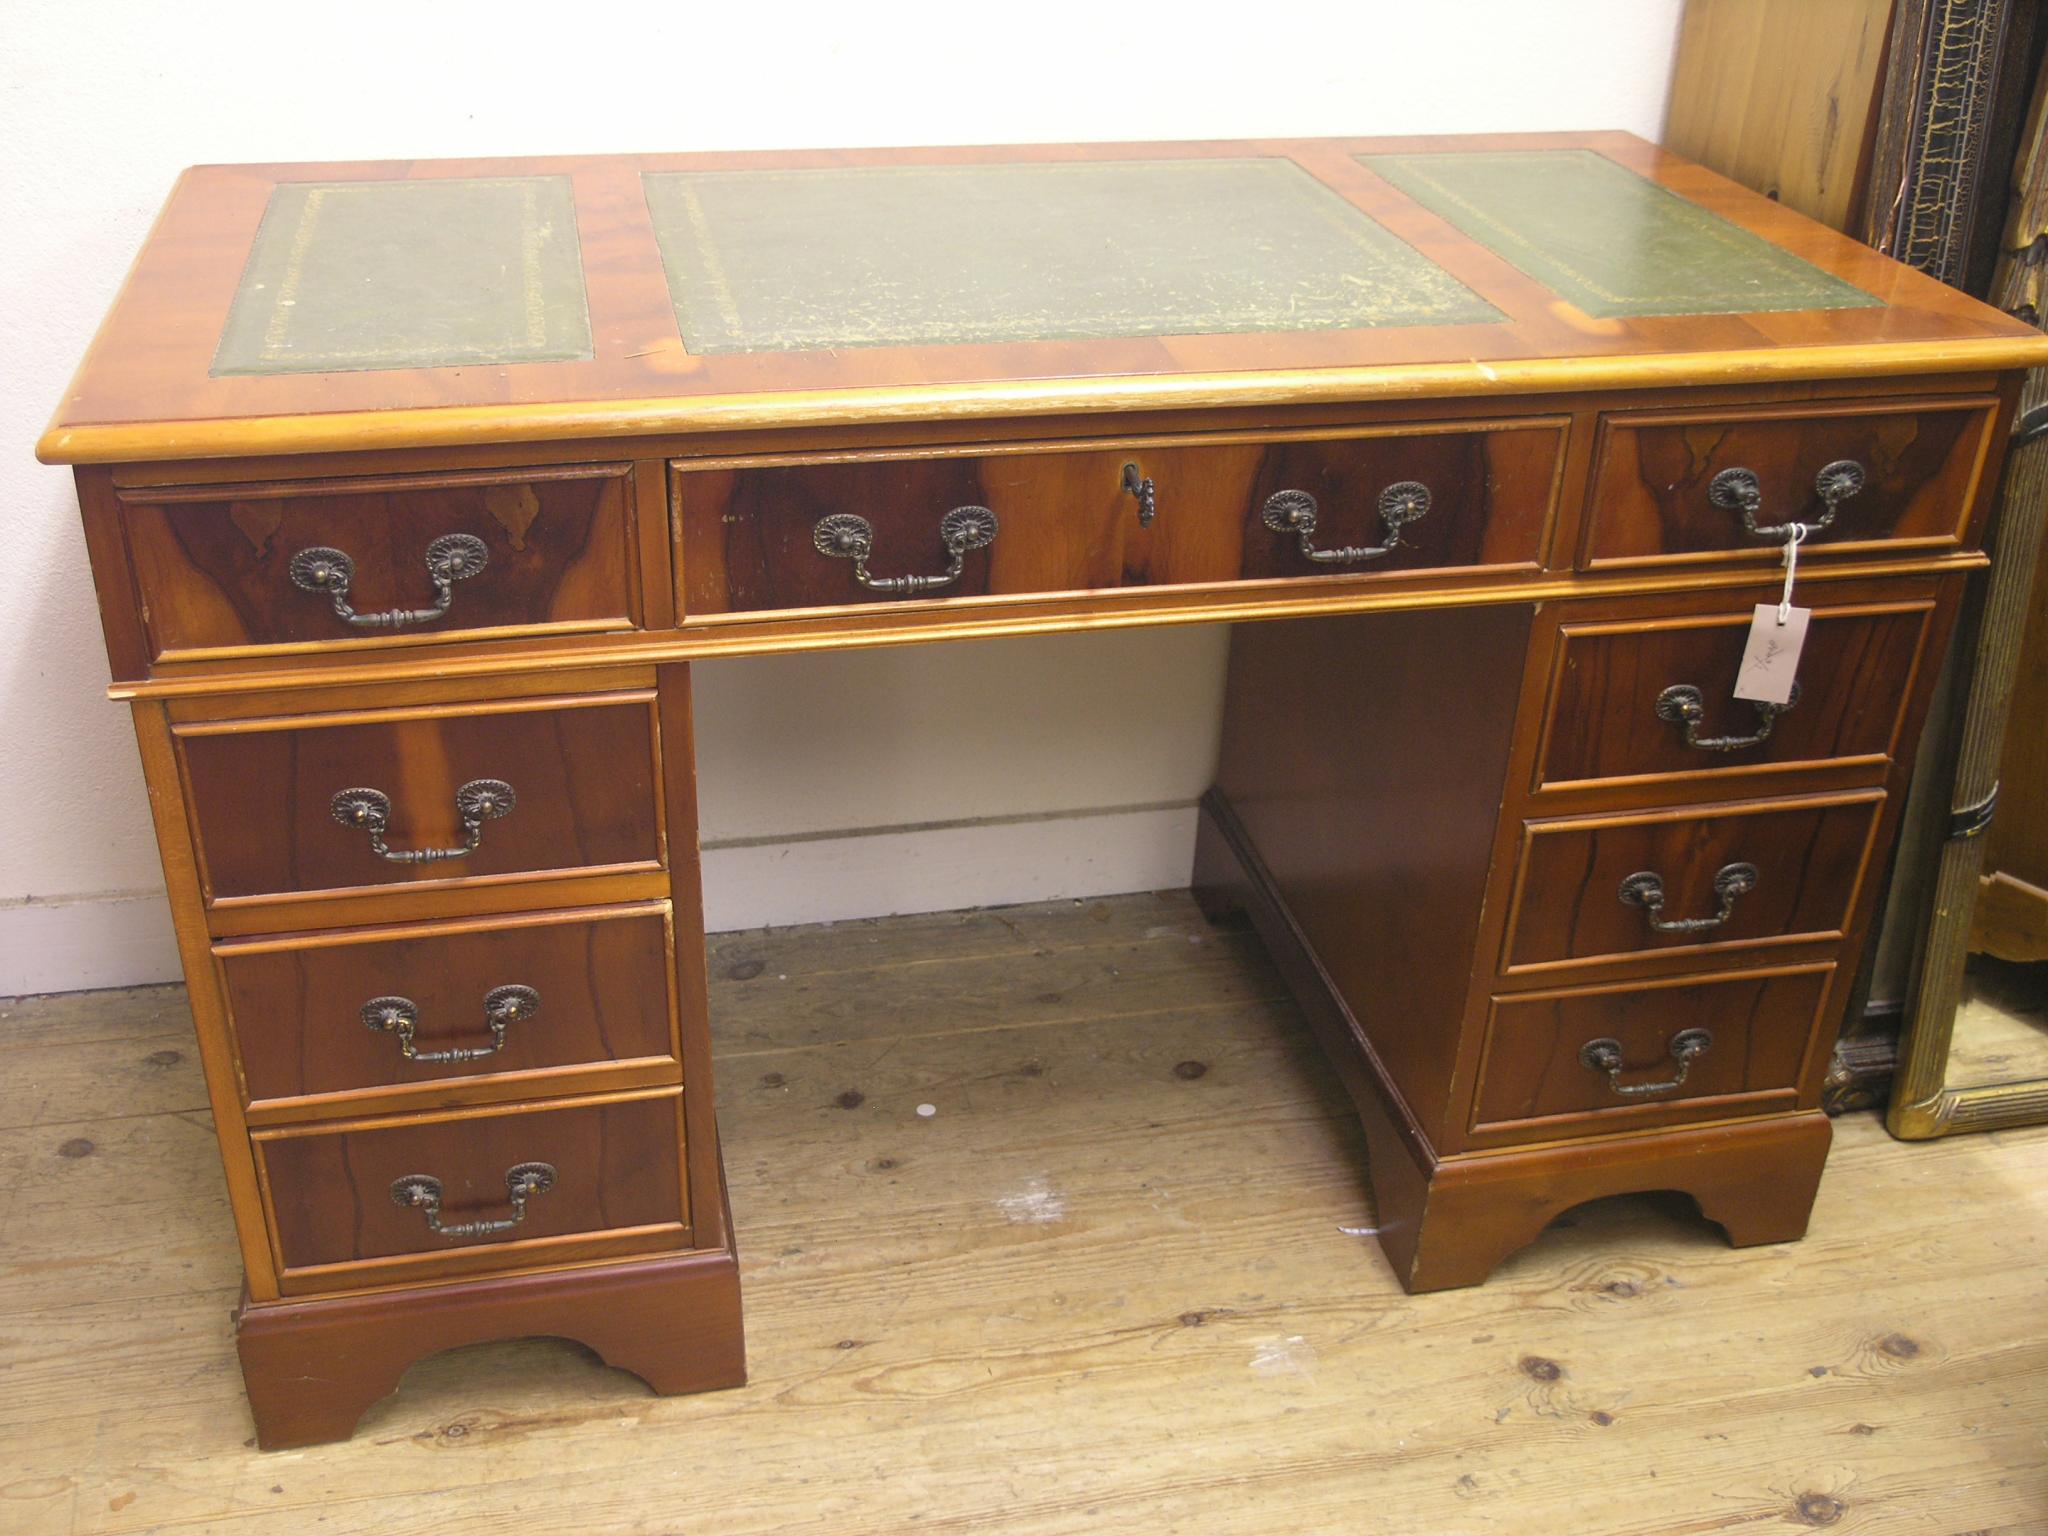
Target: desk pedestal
{"points": [[1411, 810], [1449, 1222]]}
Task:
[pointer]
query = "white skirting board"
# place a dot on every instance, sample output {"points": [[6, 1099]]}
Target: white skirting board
{"points": [[123, 939], [941, 868], [77, 943]]}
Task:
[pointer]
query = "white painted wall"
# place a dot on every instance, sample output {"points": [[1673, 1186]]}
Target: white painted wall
{"points": [[1090, 749]]}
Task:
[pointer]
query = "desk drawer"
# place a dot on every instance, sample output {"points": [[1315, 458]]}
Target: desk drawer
{"points": [[783, 534], [1655, 698], [1655, 496], [1594, 888], [1598, 1058], [440, 1013], [613, 1185], [223, 570], [286, 805]]}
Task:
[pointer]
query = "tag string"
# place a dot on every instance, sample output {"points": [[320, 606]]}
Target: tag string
{"points": [[1798, 533]]}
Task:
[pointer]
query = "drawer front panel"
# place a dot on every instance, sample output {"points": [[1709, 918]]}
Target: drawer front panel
{"points": [[582, 771], [1563, 1062], [1804, 860], [615, 1168], [1066, 522], [216, 569], [1653, 496], [1656, 698], [594, 990]]}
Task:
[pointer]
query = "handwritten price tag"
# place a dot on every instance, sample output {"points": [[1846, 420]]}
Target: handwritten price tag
{"points": [[1770, 662]]}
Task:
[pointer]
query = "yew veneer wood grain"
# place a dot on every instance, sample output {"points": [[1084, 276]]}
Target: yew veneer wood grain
{"points": [[583, 770], [1066, 522], [616, 1169], [602, 980], [1568, 909], [1651, 485], [213, 564], [1534, 1086], [1855, 678]]}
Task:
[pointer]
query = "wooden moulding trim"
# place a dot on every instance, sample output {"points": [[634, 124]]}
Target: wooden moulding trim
{"points": [[529, 1106], [547, 630], [396, 1293], [488, 1259], [1859, 766], [1680, 1111], [1616, 1143], [384, 933], [1097, 429], [453, 882], [475, 1090], [286, 913], [451, 426], [369, 485], [463, 709], [774, 635]]}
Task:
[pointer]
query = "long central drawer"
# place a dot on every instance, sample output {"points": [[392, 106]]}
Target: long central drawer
{"points": [[890, 526]]}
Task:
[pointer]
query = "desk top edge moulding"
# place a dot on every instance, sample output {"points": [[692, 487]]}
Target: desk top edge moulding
{"points": [[413, 490], [1371, 268]]}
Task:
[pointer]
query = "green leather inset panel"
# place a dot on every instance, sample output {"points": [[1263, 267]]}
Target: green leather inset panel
{"points": [[1612, 242], [350, 275], [770, 261]]}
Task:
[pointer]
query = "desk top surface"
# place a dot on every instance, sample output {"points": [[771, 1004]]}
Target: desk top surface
{"points": [[305, 308]]}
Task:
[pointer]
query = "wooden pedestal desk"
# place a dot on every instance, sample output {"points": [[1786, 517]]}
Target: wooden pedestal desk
{"points": [[412, 491]]}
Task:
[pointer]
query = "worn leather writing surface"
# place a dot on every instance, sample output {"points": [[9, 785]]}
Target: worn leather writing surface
{"points": [[348, 275], [1268, 233], [1614, 243], [783, 260]]}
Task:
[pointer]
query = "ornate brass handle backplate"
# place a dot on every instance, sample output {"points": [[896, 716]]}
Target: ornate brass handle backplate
{"points": [[847, 537], [451, 558], [1686, 707], [1737, 489], [1605, 1056], [1296, 512], [503, 1007], [422, 1192], [1645, 889], [479, 801]]}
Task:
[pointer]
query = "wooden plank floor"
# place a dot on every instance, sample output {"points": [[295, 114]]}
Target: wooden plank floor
{"points": [[1113, 1283]]}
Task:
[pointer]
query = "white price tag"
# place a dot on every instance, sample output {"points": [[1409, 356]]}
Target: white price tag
{"points": [[1770, 662]]}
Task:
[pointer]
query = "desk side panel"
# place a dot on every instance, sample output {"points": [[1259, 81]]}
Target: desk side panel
{"points": [[1365, 757]]}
